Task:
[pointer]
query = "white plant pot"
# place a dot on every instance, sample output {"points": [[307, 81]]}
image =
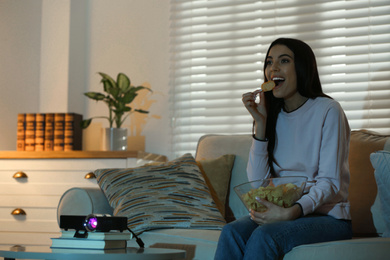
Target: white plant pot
{"points": [[114, 139]]}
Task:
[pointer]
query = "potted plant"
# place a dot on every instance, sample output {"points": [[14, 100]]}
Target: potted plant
{"points": [[118, 95]]}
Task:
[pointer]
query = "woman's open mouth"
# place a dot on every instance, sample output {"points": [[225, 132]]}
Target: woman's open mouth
{"points": [[278, 81]]}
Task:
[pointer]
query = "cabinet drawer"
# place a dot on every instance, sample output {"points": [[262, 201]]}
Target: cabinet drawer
{"points": [[35, 220], [39, 189], [29, 226], [63, 164], [30, 201], [32, 214], [43, 176]]}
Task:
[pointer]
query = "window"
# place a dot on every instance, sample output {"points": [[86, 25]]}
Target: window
{"points": [[218, 49]]}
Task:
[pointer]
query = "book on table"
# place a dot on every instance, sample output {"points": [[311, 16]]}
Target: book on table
{"points": [[98, 235], [92, 240], [88, 251], [86, 243]]}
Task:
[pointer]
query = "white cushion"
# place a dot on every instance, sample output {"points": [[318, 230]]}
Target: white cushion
{"points": [[83, 201], [381, 162]]}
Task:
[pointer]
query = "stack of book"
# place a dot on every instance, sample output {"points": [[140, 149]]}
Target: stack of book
{"points": [[49, 132], [94, 240]]}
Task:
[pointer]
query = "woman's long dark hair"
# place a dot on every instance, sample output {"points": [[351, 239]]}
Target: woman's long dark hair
{"points": [[308, 84]]}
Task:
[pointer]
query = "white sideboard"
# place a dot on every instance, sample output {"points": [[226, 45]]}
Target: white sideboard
{"points": [[31, 185]]}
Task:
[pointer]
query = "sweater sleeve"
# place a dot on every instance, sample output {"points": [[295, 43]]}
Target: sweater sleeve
{"points": [[258, 167], [331, 183]]}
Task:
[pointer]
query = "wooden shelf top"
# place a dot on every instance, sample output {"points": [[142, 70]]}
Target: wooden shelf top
{"points": [[80, 155]]}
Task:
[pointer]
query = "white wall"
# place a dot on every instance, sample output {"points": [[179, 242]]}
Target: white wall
{"points": [[53, 49], [20, 30]]}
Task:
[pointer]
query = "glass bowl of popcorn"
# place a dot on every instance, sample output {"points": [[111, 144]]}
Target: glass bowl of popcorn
{"points": [[282, 191]]}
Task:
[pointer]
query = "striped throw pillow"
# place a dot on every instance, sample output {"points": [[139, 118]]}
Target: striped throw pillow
{"points": [[170, 195]]}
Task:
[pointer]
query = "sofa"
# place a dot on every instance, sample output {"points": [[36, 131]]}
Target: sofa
{"points": [[369, 161]]}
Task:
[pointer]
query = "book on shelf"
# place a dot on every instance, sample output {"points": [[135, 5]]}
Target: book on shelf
{"points": [[72, 132], [86, 243], [29, 142], [49, 132], [39, 132], [59, 128], [99, 235], [20, 136]]}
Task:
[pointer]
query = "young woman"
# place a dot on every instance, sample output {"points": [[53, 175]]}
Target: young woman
{"points": [[297, 131]]}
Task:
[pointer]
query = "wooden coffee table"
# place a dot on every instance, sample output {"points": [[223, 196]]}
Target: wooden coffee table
{"points": [[45, 252]]}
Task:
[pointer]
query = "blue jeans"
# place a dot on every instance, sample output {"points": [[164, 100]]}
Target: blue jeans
{"points": [[244, 239]]}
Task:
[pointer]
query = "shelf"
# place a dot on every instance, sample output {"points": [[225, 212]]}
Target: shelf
{"points": [[80, 155]]}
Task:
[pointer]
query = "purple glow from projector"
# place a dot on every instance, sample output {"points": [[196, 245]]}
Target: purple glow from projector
{"points": [[92, 222]]}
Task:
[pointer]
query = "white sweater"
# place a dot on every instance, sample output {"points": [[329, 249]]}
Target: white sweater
{"points": [[311, 141]]}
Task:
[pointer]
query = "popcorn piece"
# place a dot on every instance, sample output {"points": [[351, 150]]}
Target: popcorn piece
{"points": [[268, 86]]}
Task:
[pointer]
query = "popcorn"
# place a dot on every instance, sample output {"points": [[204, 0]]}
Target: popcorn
{"points": [[268, 86], [284, 195]]}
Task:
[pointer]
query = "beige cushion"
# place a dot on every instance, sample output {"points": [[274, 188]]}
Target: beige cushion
{"points": [[214, 146], [363, 188], [217, 173]]}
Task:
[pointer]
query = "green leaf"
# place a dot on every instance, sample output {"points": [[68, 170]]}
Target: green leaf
{"points": [[129, 97], [108, 82], [114, 91], [123, 82], [142, 87], [85, 123], [108, 85], [141, 111], [95, 95], [126, 89], [136, 89], [106, 77]]}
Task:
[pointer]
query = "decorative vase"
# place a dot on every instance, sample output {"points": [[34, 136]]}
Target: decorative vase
{"points": [[114, 139]]}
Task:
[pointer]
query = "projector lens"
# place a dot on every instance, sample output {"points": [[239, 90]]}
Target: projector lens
{"points": [[91, 223]]}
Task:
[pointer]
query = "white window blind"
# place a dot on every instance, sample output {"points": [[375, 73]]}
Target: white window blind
{"points": [[218, 49]]}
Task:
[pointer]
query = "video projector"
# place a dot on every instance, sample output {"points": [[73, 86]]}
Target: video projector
{"points": [[93, 223]]}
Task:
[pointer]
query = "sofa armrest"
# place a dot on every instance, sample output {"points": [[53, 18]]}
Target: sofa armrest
{"points": [[83, 201]]}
